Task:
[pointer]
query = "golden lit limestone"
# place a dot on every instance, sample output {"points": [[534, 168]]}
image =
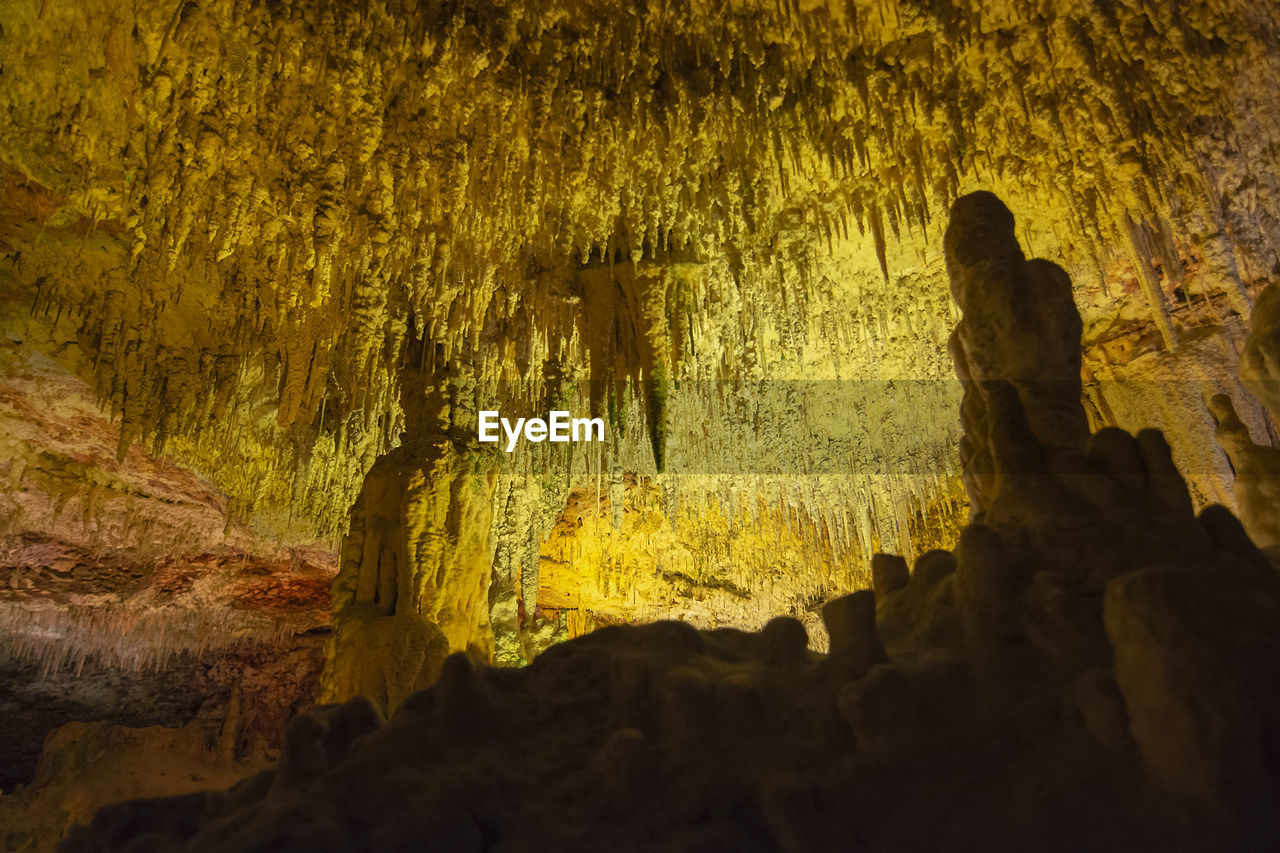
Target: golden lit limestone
{"points": [[1260, 361], [297, 181], [1093, 649], [240, 213], [1256, 467], [413, 584], [1257, 475]]}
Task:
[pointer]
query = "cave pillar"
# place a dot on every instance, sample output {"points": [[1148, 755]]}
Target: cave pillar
{"points": [[415, 566], [653, 286], [1020, 326], [1260, 359]]}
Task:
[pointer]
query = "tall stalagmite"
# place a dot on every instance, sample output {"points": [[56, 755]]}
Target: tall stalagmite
{"points": [[241, 214], [413, 584], [1090, 669], [262, 261], [1019, 327]]}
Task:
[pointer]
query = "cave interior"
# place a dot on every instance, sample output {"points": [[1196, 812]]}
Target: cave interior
{"points": [[927, 355]]}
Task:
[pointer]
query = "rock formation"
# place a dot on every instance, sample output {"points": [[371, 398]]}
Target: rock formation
{"points": [[1090, 668], [234, 218], [1257, 475], [1019, 328], [1256, 484], [413, 584], [261, 261], [1260, 361]]}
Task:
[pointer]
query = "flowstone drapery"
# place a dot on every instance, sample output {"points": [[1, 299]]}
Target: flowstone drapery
{"points": [[413, 584]]}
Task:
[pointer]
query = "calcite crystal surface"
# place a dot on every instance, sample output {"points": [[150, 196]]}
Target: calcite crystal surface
{"points": [[245, 213], [1090, 668], [263, 262]]}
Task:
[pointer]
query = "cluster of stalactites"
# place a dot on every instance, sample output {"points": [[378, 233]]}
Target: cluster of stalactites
{"points": [[132, 639], [834, 471], [325, 180]]}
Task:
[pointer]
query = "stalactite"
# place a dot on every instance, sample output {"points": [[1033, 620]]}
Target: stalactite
{"points": [[306, 183], [128, 638]]}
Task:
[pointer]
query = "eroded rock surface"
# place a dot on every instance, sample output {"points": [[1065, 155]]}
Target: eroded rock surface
{"points": [[1019, 326], [239, 214], [1257, 475], [413, 584], [1260, 360], [1090, 668]]}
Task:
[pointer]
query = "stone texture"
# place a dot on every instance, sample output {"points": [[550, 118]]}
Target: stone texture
{"points": [[660, 737], [236, 219], [1092, 668], [1257, 474], [260, 231], [1260, 360], [85, 766], [1196, 658], [1020, 326], [413, 584]]}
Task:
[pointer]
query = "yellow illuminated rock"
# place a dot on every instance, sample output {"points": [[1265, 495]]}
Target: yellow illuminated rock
{"points": [[246, 209], [273, 258]]}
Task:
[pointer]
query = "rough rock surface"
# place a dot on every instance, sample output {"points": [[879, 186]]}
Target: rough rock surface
{"points": [[1091, 668], [1260, 360], [1257, 475], [1020, 327], [125, 594], [413, 584], [85, 766], [1256, 466], [240, 214], [129, 598], [231, 220]]}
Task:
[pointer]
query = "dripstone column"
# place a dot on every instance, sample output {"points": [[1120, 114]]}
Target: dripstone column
{"points": [[414, 573], [1019, 325]]}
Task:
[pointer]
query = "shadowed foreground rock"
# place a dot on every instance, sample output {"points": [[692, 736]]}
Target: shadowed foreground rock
{"points": [[1092, 668]]}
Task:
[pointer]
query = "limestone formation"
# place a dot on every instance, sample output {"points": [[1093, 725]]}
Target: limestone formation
{"points": [[1257, 475], [1196, 657], [661, 737], [1260, 360], [1256, 467], [1020, 326], [262, 261], [413, 584], [1092, 668], [236, 216]]}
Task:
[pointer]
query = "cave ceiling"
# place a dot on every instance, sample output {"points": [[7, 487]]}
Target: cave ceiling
{"points": [[236, 221]]}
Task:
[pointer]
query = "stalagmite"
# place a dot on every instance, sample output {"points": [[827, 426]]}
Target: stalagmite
{"points": [[1260, 361], [413, 584], [261, 263], [1093, 635], [1257, 476], [1020, 327]]}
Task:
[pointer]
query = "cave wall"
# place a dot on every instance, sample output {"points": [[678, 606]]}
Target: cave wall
{"points": [[1090, 668], [266, 199], [253, 231]]}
